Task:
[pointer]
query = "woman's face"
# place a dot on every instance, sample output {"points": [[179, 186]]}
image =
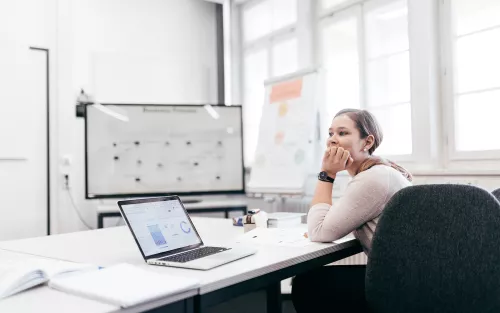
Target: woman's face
{"points": [[343, 133]]}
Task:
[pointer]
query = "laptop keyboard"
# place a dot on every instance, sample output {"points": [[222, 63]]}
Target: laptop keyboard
{"points": [[193, 254]]}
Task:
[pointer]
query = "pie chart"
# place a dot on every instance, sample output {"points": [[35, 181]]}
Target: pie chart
{"points": [[185, 227]]}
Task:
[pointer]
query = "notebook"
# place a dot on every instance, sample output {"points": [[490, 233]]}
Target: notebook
{"points": [[124, 285], [18, 274]]}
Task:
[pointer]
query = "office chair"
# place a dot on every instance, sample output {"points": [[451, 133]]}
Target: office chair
{"points": [[496, 193], [436, 249]]}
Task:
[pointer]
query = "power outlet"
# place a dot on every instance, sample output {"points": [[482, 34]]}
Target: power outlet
{"points": [[66, 181]]}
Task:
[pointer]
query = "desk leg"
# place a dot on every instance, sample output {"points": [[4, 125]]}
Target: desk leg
{"points": [[273, 293], [100, 221], [197, 306]]}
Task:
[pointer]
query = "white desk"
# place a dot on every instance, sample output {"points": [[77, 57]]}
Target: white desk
{"points": [[43, 298], [225, 205], [264, 270]]}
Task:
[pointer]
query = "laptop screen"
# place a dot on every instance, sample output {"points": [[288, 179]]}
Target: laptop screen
{"points": [[160, 226]]}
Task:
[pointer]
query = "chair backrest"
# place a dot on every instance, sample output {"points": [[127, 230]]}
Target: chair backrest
{"points": [[436, 249], [496, 193]]}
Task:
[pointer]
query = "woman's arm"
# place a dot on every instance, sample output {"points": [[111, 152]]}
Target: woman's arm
{"points": [[361, 202], [323, 193]]}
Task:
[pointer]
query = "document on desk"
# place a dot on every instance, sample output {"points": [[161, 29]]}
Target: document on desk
{"points": [[124, 285], [286, 237]]}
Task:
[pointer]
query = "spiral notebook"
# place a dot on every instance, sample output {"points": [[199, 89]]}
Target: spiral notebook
{"points": [[124, 285]]}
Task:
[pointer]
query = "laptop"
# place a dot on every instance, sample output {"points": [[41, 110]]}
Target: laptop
{"points": [[166, 236]]}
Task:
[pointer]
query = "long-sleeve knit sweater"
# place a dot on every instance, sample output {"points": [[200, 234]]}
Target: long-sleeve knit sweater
{"points": [[359, 208]]}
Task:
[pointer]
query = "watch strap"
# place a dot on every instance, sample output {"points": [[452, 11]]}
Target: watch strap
{"points": [[323, 176]]}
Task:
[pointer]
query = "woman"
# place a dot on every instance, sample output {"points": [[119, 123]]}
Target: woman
{"points": [[353, 137]]}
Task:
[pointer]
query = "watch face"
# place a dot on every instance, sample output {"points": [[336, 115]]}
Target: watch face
{"points": [[323, 175]]}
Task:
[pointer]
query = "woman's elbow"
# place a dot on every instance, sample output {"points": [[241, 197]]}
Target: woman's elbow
{"points": [[315, 238], [318, 236], [322, 235]]}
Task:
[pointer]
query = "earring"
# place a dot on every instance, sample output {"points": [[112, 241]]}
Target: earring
{"points": [[364, 149]]}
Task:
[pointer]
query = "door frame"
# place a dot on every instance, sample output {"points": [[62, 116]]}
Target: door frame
{"points": [[47, 86]]}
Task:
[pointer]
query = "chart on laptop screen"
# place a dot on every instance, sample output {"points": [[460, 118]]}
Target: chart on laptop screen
{"points": [[160, 226]]}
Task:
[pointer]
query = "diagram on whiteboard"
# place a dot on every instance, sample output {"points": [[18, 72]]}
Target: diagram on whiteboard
{"points": [[164, 149], [285, 142]]}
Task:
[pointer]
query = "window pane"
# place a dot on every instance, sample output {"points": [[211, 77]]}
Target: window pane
{"points": [[386, 29], [255, 73], [284, 13], [285, 59], [474, 15], [478, 61], [340, 60], [326, 4], [257, 20], [388, 80], [476, 121], [396, 127]]}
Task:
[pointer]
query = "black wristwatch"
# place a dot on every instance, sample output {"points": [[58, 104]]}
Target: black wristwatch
{"points": [[323, 176]]}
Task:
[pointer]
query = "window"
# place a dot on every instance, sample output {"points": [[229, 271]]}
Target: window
{"points": [[339, 38], [476, 69], [257, 20], [270, 48], [285, 58], [388, 75], [261, 18], [255, 73], [372, 64], [328, 4]]}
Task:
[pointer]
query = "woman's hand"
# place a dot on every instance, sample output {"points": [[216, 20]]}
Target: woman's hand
{"points": [[336, 159]]}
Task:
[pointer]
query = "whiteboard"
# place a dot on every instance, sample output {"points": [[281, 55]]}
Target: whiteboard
{"points": [[287, 141], [163, 149]]}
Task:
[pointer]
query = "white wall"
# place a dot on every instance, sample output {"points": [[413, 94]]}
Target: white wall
{"points": [[181, 34], [24, 24], [163, 51]]}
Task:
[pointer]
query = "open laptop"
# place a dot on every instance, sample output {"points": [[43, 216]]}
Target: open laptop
{"points": [[166, 236]]}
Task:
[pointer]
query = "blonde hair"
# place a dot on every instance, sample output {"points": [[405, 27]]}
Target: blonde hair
{"points": [[368, 125]]}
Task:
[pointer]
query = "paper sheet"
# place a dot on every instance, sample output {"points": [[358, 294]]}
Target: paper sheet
{"points": [[286, 237], [291, 237]]}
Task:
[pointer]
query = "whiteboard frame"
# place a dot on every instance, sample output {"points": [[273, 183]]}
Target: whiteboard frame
{"points": [[156, 194]]}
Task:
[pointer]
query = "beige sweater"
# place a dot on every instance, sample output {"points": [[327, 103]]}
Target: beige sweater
{"points": [[358, 209]]}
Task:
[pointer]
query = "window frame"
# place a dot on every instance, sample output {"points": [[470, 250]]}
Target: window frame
{"points": [[265, 42], [431, 71], [358, 9], [342, 14], [449, 97]]}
